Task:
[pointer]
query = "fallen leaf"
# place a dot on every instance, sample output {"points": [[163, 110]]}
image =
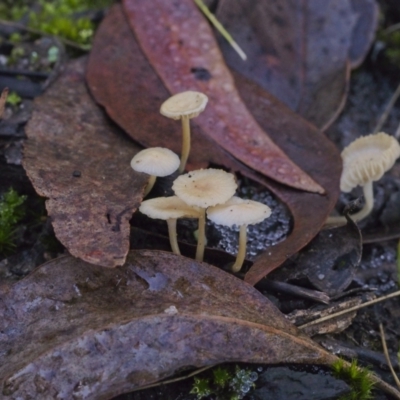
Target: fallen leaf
{"points": [[333, 325], [300, 52], [177, 60], [75, 330], [81, 163]]}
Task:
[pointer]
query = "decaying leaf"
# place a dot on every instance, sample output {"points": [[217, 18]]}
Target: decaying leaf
{"points": [[328, 262], [171, 46], [300, 51], [81, 163], [334, 325], [75, 330]]}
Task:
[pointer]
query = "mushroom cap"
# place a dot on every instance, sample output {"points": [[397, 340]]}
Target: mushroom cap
{"points": [[157, 161], [167, 208], [205, 187], [367, 159], [237, 211], [189, 104]]}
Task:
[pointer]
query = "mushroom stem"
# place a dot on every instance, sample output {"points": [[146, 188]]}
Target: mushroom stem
{"points": [[185, 142], [172, 235], [201, 241], [150, 184], [358, 216], [237, 266]]}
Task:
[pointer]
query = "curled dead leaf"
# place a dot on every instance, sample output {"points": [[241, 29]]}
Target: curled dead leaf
{"points": [[81, 163]]}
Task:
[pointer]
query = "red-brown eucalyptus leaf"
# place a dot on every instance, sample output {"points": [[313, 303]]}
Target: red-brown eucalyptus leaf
{"points": [[314, 153], [72, 330], [116, 59], [81, 163], [178, 42], [300, 51]]}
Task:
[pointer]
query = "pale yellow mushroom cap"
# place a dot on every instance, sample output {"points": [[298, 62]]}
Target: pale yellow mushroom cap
{"points": [[167, 208], [205, 187], [156, 161], [237, 211], [367, 159], [189, 104]]}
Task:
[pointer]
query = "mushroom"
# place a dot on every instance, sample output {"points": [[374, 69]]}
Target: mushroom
{"points": [[169, 209], [184, 106], [366, 160], [155, 161], [237, 211], [204, 188]]}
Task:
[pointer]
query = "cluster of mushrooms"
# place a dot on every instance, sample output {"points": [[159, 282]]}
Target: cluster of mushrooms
{"points": [[205, 192], [210, 192]]}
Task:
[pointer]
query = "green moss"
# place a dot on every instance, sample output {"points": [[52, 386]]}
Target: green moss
{"points": [[63, 18], [224, 383], [11, 212], [358, 378], [13, 98]]}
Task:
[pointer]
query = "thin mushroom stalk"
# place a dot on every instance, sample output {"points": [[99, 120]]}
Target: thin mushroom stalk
{"points": [[241, 255], [358, 216], [185, 142], [173, 235], [201, 241]]}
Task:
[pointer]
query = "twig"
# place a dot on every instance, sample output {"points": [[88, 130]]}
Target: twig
{"points": [[392, 28], [67, 42], [386, 353], [367, 303], [220, 28], [181, 378], [387, 111]]}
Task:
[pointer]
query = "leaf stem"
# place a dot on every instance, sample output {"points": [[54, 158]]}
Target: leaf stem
{"points": [[220, 28]]}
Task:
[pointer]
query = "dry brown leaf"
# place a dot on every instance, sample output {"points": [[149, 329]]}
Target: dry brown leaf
{"points": [[81, 163], [75, 330]]}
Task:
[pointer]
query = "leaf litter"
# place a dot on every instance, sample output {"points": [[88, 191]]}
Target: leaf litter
{"points": [[153, 285], [116, 58]]}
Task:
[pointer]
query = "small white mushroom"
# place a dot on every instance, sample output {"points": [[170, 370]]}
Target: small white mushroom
{"points": [[169, 209], [155, 161], [366, 160], [204, 188], [184, 106], [237, 211]]}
